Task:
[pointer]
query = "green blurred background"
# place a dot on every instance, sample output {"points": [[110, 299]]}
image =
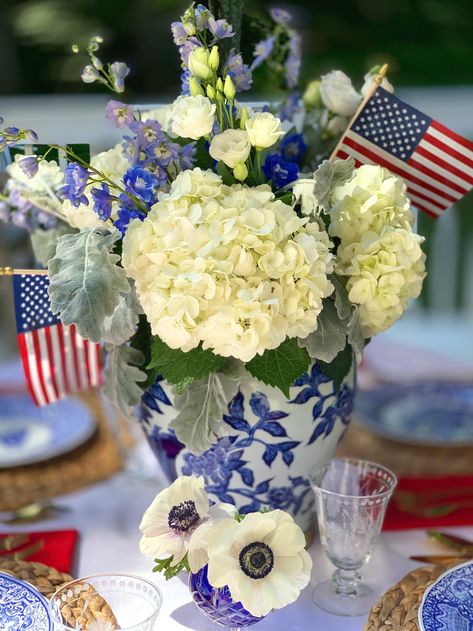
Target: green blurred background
{"points": [[426, 42]]}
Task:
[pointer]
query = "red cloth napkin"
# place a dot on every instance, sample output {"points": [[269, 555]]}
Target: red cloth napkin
{"points": [[58, 550], [432, 491]]}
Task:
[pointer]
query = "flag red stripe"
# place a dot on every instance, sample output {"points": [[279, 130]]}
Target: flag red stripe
{"points": [[424, 209], [432, 140], [451, 134], [26, 365], [75, 356], [87, 363], [428, 199], [39, 366], [67, 386], [436, 159], [408, 175], [412, 162], [52, 364]]}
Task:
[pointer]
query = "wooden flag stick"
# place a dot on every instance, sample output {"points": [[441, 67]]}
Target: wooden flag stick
{"points": [[377, 81], [9, 271]]}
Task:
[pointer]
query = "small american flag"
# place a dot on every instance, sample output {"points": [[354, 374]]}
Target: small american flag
{"points": [[56, 359], [435, 162]]}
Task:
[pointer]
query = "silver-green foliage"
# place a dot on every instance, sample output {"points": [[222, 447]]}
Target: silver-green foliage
{"points": [[122, 376]]}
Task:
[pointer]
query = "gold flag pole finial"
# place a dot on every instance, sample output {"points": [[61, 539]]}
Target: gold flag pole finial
{"points": [[10, 271], [6, 271], [377, 81]]}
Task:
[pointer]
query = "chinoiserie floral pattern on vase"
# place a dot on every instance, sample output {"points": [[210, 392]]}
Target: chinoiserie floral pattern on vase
{"points": [[272, 441]]}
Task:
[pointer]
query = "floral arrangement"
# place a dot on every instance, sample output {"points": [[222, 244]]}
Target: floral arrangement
{"points": [[260, 557], [217, 240]]}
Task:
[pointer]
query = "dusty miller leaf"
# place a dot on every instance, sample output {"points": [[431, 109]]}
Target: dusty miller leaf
{"points": [[330, 175], [355, 335], [44, 242], [199, 422], [233, 369], [122, 377], [281, 366], [85, 282], [342, 302], [330, 336], [121, 325]]}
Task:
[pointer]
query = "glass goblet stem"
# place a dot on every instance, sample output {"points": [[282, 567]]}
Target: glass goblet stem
{"points": [[346, 581]]}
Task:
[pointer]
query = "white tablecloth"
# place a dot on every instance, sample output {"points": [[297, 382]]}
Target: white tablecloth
{"points": [[107, 516]]}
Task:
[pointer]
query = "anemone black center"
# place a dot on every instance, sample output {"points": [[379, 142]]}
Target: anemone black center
{"points": [[256, 560], [183, 516]]}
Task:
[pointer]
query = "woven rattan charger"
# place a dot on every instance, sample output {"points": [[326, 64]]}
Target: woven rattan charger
{"points": [[398, 608], [47, 580]]}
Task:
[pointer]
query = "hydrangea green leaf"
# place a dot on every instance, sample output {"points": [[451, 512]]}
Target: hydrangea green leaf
{"points": [[199, 423], [177, 366], [86, 282], [330, 336], [328, 176], [122, 377], [339, 367], [281, 366]]}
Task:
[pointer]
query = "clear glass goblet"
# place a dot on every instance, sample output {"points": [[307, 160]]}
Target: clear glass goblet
{"points": [[105, 602], [351, 498]]}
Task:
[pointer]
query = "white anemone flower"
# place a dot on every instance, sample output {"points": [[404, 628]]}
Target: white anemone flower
{"points": [[262, 560], [174, 515]]}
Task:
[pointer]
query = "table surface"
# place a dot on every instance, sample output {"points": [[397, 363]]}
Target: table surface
{"points": [[107, 516]]}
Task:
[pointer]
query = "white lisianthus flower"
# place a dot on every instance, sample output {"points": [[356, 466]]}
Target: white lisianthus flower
{"points": [[230, 267], [199, 63], [384, 271], [373, 199], [337, 125], [193, 116], [338, 94], [303, 190], [369, 80], [174, 515], [264, 130], [262, 560], [231, 146]]}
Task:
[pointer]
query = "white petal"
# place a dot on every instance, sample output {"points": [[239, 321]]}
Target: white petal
{"points": [[221, 567], [255, 527], [164, 546], [258, 596], [287, 540]]}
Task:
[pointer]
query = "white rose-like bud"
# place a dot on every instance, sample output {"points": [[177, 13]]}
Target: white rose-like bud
{"points": [[369, 79], [263, 129], [338, 94], [193, 116], [231, 146]]}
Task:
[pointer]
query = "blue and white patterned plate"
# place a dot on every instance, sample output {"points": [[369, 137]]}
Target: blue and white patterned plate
{"points": [[448, 603], [438, 413], [30, 434], [22, 607]]}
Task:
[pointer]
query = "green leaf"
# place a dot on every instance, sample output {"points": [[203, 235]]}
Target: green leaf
{"points": [[330, 336], [342, 302], [201, 408], [122, 377], [121, 325], [225, 173], [202, 157], [170, 571], [85, 282], [355, 335], [177, 366], [339, 367], [281, 366], [44, 242], [328, 176]]}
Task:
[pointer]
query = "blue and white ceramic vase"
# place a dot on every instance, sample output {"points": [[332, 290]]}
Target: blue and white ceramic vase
{"points": [[217, 604], [271, 445]]}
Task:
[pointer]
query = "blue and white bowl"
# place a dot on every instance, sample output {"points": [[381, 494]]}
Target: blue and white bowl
{"points": [[22, 607]]}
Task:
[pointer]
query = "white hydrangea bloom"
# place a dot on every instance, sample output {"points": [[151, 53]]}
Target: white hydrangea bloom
{"points": [[48, 179], [385, 270], [230, 267], [373, 199]]}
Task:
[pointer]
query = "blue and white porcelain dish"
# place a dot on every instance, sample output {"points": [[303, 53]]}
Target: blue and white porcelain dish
{"points": [[30, 434], [22, 607], [448, 603], [433, 413]]}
